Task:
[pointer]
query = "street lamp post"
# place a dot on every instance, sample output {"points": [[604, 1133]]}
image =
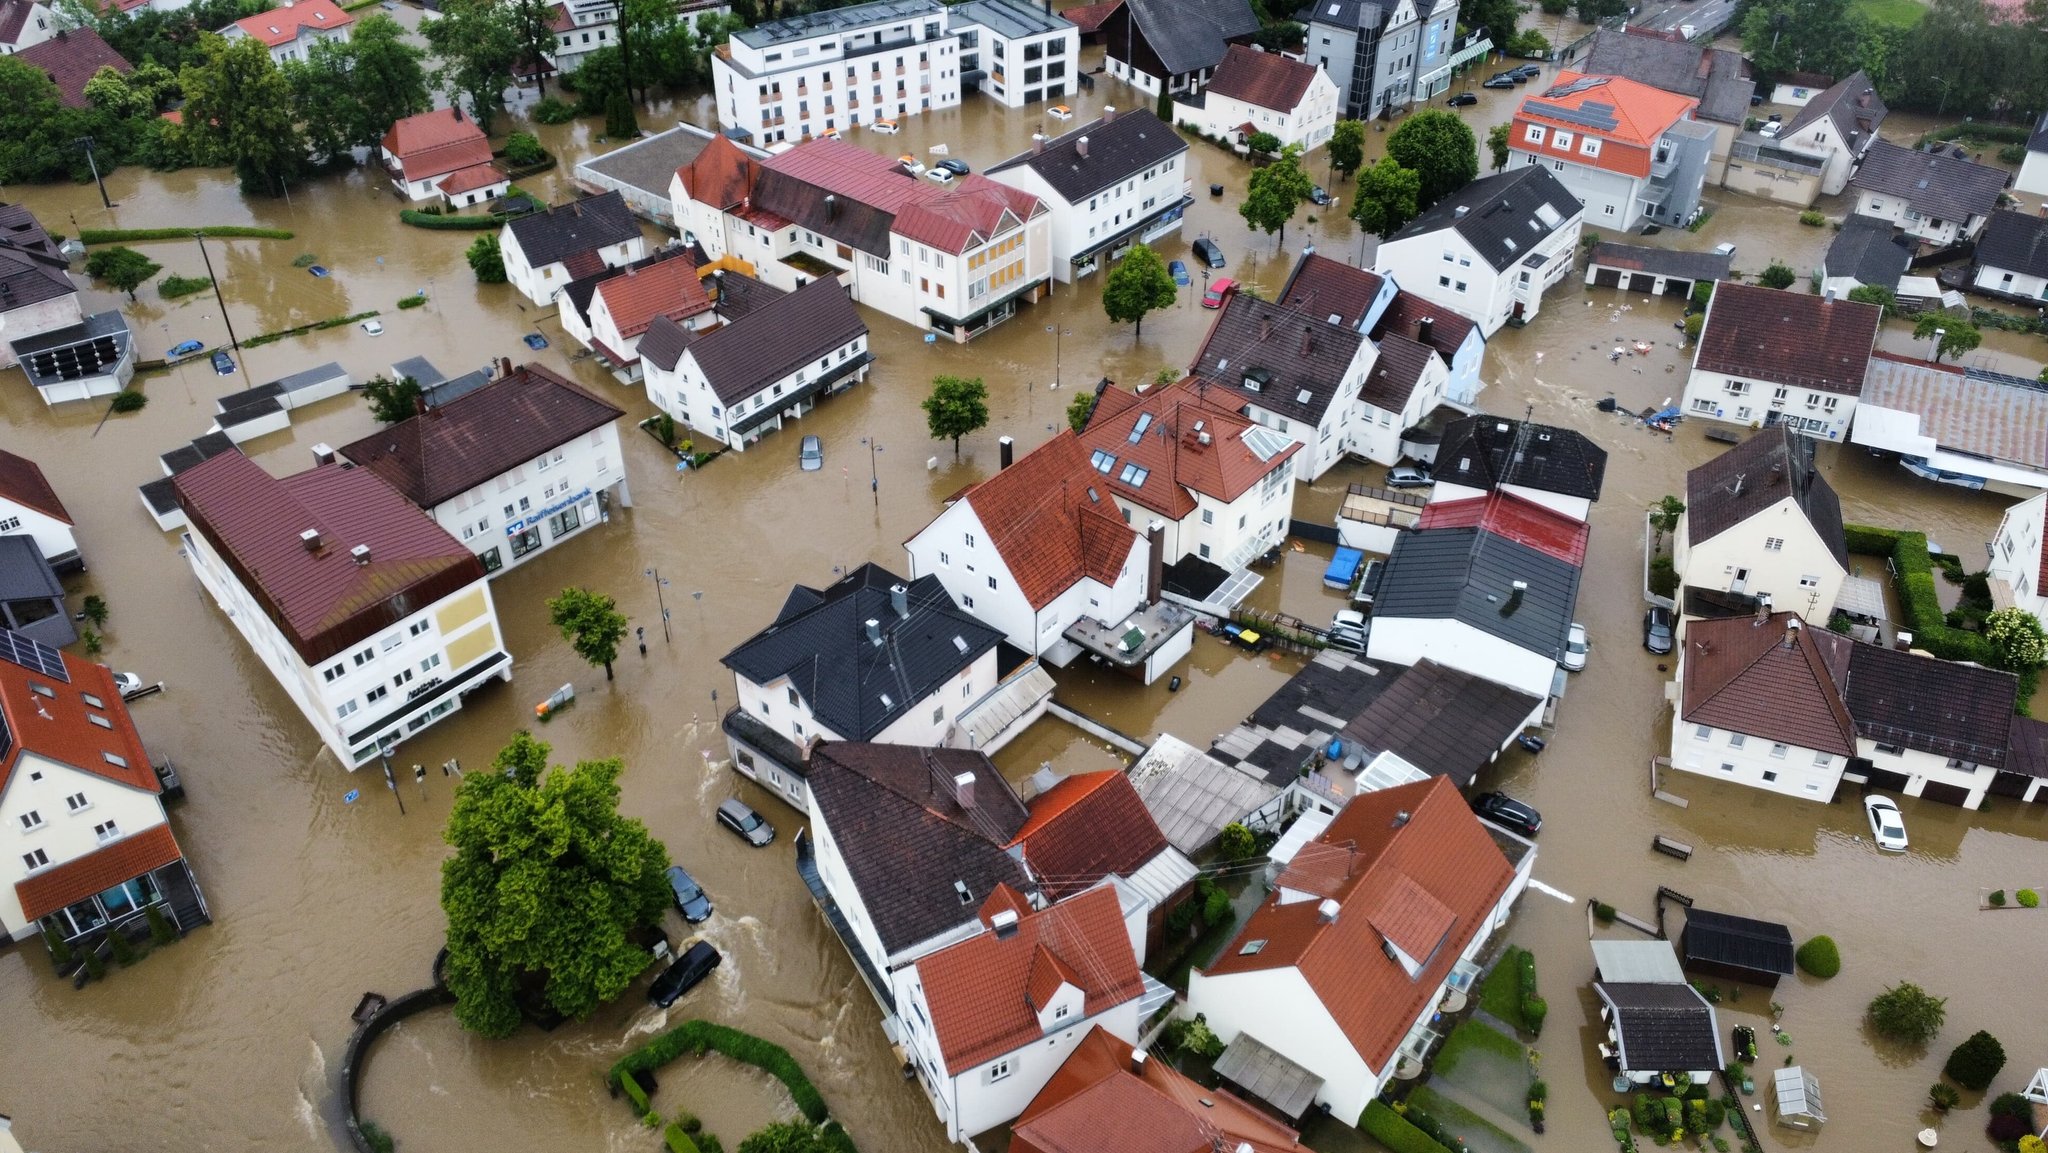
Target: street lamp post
{"points": [[1058, 334], [86, 142], [1940, 334], [874, 473], [654, 574]]}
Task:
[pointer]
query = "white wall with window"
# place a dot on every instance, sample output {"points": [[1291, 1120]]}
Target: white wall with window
{"points": [[2016, 553], [1756, 402], [685, 394], [517, 515], [542, 284], [1142, 204], [927, 721], [1776, 553], [53, 814], [1444, 268], [782, 82], [1759, 762], [1025, 69]]}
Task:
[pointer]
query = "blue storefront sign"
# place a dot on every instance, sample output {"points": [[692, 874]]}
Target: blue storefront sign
{"points": [[514, 528]]}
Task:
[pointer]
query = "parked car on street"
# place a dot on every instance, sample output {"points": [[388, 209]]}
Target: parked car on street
{"points": [[679, 978], [956, 167], [1408, 476], [885, 127], [1575, 648], [1527, 71], [740, 817], [1179, 270], [911, 164], [1501, 81], [939, 176], [810, 456], [1657, 630], [1209, 252], [1318, 196], [1219, 292], [1462, 100], [223, 363], [688, 895], [183, 349], [1887, 827], [1508, 813], [1060, 112]]}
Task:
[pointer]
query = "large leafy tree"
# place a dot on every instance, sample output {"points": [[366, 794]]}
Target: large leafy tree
{"points": [[2017, 640], [957, 406], [1496, 16], [1782, 36], [591, 623], [1137, 285], [390, 73], [1347, 146], [1958, 336], [1276, 192], [1497, 144], [1386, 197], [532, 26], [392, 400], [325, 95], [30, 109], [477, 42], [486, 259], [124, 268], [546, 889], [239, 106], [1439, 147]]}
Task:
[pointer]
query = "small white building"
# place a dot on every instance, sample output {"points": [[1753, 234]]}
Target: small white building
{"points": [[94, 357], [2012, 257], [1931, 196], [293, 27], [1767, 357], [1837, 127], [2033, 175], [625, 302], [1119, 181], [1015, 51], [1256, 91], [2017, 561], [442, 154], [1763, 526], [375, 621], [511, 469], [800, 77], [30, 507], [545, 251], [25, 24], [1490, 249]]}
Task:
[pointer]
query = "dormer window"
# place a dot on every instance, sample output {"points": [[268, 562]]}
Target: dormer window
{"points": [[1256, 379]]}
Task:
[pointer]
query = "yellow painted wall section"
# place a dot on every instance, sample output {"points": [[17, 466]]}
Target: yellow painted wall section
{"points": [[460, 611], [464, 649]]}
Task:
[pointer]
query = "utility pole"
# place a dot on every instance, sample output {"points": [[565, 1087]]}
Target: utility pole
{"points": [[874, 474], [233, 342], [85, 142], [662, 603]]}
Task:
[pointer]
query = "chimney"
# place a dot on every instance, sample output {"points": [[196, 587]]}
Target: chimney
{"points": [[874, 629], [831, 207], [1423, 329], [963, 790], [1006, 450], [360, 554], [1304, 341], [1400, 818], [311, 539], [1326, 913], [1460, 211], [809, 746], [1138, 1057], [1265, 330], [1037, 143], [504, 367], [576, 209], [1829, 294], [1792, 633], [899, 600], [419, 403], [1004, 923], [1155, 564], [323, 453], [1081, 148], [456, 110], [1108, 113]]}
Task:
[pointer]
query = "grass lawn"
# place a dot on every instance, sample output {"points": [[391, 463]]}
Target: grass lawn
{"points": [[1472, 1035], [1896, 13], [1481, 1135], [1501, 992], [1486, 1063]]}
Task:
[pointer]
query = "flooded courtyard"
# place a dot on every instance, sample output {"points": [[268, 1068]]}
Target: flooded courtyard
{"points": [[231, 1038]]}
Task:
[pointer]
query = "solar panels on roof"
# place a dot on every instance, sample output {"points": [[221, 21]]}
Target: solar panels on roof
{"points": [[1577, 86], [1589, 115], [35, 656]]}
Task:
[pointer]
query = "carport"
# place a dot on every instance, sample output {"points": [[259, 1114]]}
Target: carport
{"points": [[1653, 271]]}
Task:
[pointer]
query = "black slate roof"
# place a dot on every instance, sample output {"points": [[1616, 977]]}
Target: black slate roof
{"points": [[2015, 242], [1122, 148], [905, 839], [1755, 475], [1942, 707], [1468, 575], [769, 343], [1344, 14], [1851, 103], [740, 294], [1662, 261], [1741, 942], [1396, 372], [1482, 452], [579, 226], [1189, 35], [2026, 747], [853, 686], [1445, 722], [1303, 358], [2038, 142], [1504, 214], [1717, 77], [1867, 250], [1663, 1028], [1934, 183], [31, 268]]}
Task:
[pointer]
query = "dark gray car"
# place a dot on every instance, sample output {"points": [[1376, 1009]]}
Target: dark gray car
{"points": [[679, 978], [688, 895], [738, 816], [1657, 630]]}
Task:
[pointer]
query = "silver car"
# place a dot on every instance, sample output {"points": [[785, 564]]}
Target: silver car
{"points": [[740, 817]]}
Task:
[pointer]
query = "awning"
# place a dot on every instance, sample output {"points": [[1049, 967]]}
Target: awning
{"points": [[1267, 1075], [96, 872], [1861, 597], [1000, 709]]}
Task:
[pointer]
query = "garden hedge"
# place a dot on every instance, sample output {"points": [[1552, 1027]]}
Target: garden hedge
{"points": [[1820, 957], [1393, 1130], [449, 223], [1914, 578], [697, 1037], [125, 235]]}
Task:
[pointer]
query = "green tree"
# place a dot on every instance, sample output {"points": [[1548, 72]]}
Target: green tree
{"points": [[1347, 147], [619, 121], [325, 96], [957, 406], [1906, 1012], [1263, 142], [1777, 275], [532, 27], [1136, 286], [392, 400], [110, 92], [477, 42], [1975, 1062], [1276, 192], [1386, 197], [390, 74], [523, 148], [1958, 336], [2017, 641], [1080, 409], [32, 145], [239, 106], [1496, 16], [486, 259], [1497, 144], [602, 73], [1237, 842], [1783, 36], [1439, 145], [1594, 11], [1819, 957], [124, 268], [785, 1137], [591, 623], [1876, 294], [546, 889]]}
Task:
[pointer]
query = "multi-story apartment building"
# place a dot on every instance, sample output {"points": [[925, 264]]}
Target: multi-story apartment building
{"points": [[792, 79], [1015, 52], [1632, 154], [1490, 249], [1382, 56], [1119, 181]]}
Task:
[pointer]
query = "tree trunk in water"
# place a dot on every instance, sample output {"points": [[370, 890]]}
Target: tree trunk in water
{"points": [[607, 670], [1139, 332], [956, 448]]}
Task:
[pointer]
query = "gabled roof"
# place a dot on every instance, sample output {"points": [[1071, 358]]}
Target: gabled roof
{"points": [[1755, 475], [1158, 434], [1866, 250], [1468, 575], [848, 193], [1662, 1028], [22, 481], [1346, 14], [636, 296], [1426, 884], [1726, 939], [905, 839], [741, 358], [582, 290], [1515, 518], [1717, 77], [1969, 411], [449, 450], [472, 178], [2026, 747], [1947, 708], [31, 269], [1503, 216], [1298, 361], [968, 214], [431, 143], [282, 25], [97, 871], [1097, 1103], [59, 724], [1117, 150], [14, 16], [1851, 103], [986, 992], [722, 175], [854, 687], [72, 57], [1051, 532], [321, 599], [1773, 679], [1320, 286], [580, 226], [1396, 372], [1089, 18], [1662, 261], [1482, 451], [1087, 827], [1934, 183], [1262, 79], [1190, 35], [1615, 107], [1446, 722], [2015, 242], [1787, 338], [1447, 328]]}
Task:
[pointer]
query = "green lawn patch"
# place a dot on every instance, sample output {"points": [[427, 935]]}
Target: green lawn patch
{"points": [[1485, 1063], [1500, 994], [1479, 1134], [1896, 13], [172, 287], [1393, 1130]]}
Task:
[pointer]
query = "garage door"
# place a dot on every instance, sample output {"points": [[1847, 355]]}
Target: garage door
{"points": [[1641, 282], [1885, 778], [1946, 794], [1677, 287], [2010, 784], [1607, 278]]}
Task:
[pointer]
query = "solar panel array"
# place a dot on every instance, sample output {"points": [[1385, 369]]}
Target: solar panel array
{"points": [[1588, 115], [35, 656], [86, 358]]}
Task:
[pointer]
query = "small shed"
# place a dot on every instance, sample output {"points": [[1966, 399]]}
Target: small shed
{"points": [[1653, 271], [1796, 1095], [1736, 948]]}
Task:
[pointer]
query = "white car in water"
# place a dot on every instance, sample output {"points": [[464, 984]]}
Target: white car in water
{"points": [[1575, 648], [1887, 827]]}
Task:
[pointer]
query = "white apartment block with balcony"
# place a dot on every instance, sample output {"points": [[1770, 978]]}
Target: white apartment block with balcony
{"points": [[792, 79], [1016, 53]]}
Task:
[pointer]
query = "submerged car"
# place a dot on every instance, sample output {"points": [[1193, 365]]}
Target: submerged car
{"points": [[1508, 813], [1408, 476], [885, 127], [1219, 292], [1575, 648], [956, 167], [1318, 196], [1498, 82], [1462, 100], [741, 818], [810, 456], [679, 978], [1209, 252], [688, 895], [1887, 827], [1179, 270], [223, 363], [1060, 112]]}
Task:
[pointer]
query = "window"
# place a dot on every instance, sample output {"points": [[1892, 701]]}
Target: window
{"points": [[106, 831], [991, 582], [1208, 516], [968, 537], [375, 695], [1778, 750], [1561, 140], [35, 859], [343, 710], [1770, 775], [967, 602], [1701, 732], [1736, 740], [9, 524], [1060, 1013], [417, 628], [77, 803], [1809, 582], [1000, 1070], [939, 715], [332, 672], [1535, 134], [1727, 766], [431, 663], [31, 820], [1821, 760], [1891, 750], [1590, 146], [1774, 543], [492, 561]]}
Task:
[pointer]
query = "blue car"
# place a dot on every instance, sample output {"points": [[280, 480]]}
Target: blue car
{"points": [[223, 363], [1180, 272], [183, 349]]}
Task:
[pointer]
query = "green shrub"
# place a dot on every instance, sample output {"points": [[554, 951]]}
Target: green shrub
{"points": [[835, 1136], [375, 1137], [1942, 1096], [121, 235], [122, 948], [522, 150], [1998, 898], [1538, 1091], [416, 300], [447, 223], [1663, 575], [709, 1143], [60, 951], [1534, 1009], [2013, 153], [305, 260], [636, 1094], [1394, 1131], [1237, 842], [552, 111], [94, 967], [161, 931], [1914, 580], [1975, 1062], [1716, 1113], [1603, 912], [688, 1122], [678, 1141], [1819, 957], [1812, 219], [2011, 1105], [2028, 899], [1215, 905], [699, 1037], [1525, 972], [128, 400], [174, 286]]}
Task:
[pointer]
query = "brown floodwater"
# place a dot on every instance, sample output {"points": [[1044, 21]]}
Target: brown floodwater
{"points": [[231, 1039]]}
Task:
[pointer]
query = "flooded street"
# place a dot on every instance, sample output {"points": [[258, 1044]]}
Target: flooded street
{"points": [[231, 1039]]}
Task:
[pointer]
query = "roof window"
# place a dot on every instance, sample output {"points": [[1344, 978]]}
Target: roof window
{"points": [[116, 761], [99, 720], [1138, 429], [42, 690], [94, 701], [1134, 476], [1251, 947], [1103, 461]]}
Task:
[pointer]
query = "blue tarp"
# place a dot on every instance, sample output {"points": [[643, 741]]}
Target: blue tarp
{"points": [[1343, 568]]}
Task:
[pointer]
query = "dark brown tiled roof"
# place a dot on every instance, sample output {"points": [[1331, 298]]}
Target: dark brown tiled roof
{"points": [[578, 228], [1787, 338], [1941, 707], [1935, 183], [1322, 287], [1304, 360], [1262, 79], [22, 481], [2026, 750], [1405, 314], [71, 58], [1663, 1027], [1086, 827], [741, 358], [1481, 451], [322, 600], [1742, 675], [1753, 476], [1441, 720], [97, 871], [31, 270], [1396, 372], [506, 423]]}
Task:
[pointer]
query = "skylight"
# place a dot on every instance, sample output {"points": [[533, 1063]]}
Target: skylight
{"points": [[117, 762], [960, 643], [1138, 429], [1103, 461], [1134, 476], [99, 720], [1251, 947], [92, 700], [1302, 396], [886, 702]]}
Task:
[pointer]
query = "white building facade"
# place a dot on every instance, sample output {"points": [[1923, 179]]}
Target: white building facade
{"points": [[1023, 55], [1107, 189], [792, 79]]}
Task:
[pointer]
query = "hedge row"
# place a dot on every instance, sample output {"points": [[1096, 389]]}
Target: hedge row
{"points": [[697, 1037], [1395, 1132], [301, 330], [124, 235], [448, 223], [1913, 572]]}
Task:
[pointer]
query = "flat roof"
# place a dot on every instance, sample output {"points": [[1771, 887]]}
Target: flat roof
{"points": [[1970, 411], [1637, 963], [1010, 19], [837, 20], [649, 164]]}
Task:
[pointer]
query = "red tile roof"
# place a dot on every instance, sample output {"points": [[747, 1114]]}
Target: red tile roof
{"points": [[968, 214], [1788, 338], [281, 25], [59, 727], [472, 178], [985, 992], [721, 176], [1639, 112], [1390, 880], [1172, 450], [1083, 829], [72, 57], [670, 288], [432, 143], [1742, 675], [22, 481], [853, 172], [1041, 519], [97, 871], [322, 600], [1518, 519], [1262, 79], [1090, 18], [1097, 1104]]}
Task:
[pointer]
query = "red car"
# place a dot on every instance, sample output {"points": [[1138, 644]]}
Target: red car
{"points": [[1219, 291]]}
